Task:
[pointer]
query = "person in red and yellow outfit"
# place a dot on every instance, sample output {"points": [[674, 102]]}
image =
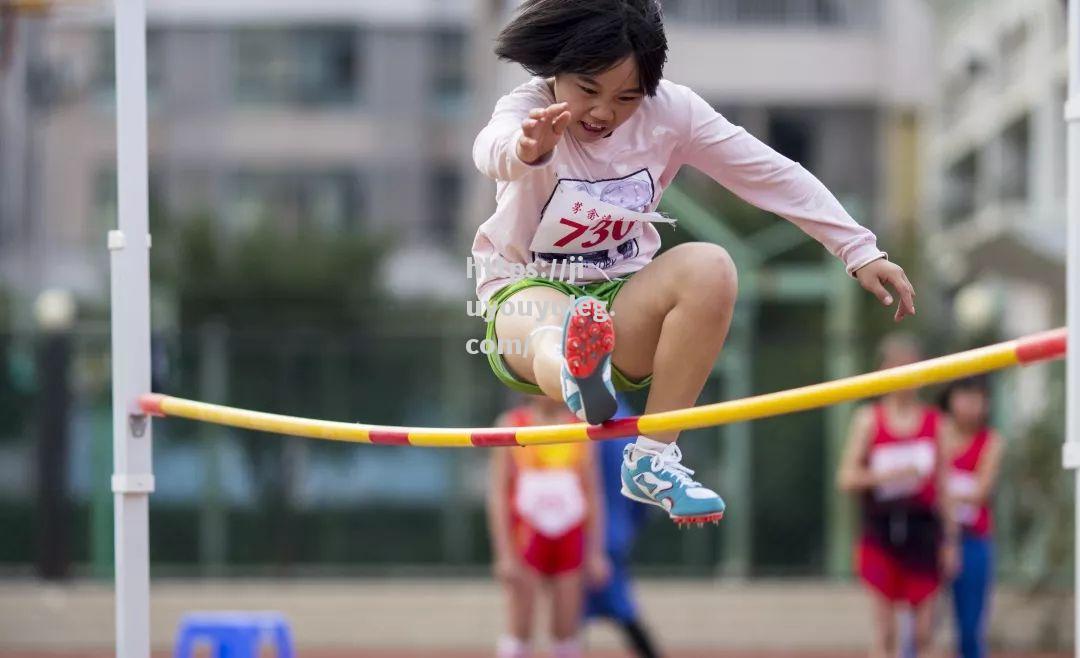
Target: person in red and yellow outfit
{"points": [[546, 519]]}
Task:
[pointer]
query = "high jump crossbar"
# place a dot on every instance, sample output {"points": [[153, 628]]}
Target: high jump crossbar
{"points": [[1022, 351]]}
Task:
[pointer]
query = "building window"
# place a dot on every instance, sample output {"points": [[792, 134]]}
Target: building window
{"points": [[958, 193], [448, 65], [105, 215], [791, 137], [294, 202], [303, 66], [445, 202], [1016, 145], [103, 69]]}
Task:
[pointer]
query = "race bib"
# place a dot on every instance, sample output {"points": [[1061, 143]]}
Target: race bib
{"points": [[893, 457], [575, 222], [551, 501], [963, 483]]}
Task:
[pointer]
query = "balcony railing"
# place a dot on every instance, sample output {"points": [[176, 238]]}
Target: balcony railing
{"points": [[855, 14]]}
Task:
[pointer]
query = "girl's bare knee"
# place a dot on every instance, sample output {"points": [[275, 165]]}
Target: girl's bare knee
{"points": [[708, 279]]}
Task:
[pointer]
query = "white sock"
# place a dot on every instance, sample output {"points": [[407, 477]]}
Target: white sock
{"points": [[647, 444], [566, 649], [509, 646], [536, 336]]}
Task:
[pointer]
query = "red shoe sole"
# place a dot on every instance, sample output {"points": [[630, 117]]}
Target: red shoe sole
{"points": [[590, 336], [685, 521]]}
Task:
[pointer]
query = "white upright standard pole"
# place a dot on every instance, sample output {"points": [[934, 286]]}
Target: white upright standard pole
{"points": [[1072, 379], [133, 479]]}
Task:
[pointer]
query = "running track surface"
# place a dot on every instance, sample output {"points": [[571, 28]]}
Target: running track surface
{"points": [[425, 653]]}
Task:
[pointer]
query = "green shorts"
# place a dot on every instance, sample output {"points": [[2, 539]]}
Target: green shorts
{"points": [[605, 291]]}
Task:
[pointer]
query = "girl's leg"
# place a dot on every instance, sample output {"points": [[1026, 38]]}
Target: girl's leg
{"points": [[961, 595], [671, 319], [541, 362], [521, 595], [567, 590], [986, 586], [883, 644], [905, 633], [639, 639], [970, 592], [924, 627]]}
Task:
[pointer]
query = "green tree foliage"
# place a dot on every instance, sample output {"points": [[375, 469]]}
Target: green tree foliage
{"points": [[16, 372], [264, 278], [1044, 518], [1044, 515]]}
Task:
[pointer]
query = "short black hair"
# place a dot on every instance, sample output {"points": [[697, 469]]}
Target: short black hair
{"points": [[980, 383], [587, 37]]}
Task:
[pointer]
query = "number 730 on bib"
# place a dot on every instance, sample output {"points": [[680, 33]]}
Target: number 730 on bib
{"points": [[574, 222]]}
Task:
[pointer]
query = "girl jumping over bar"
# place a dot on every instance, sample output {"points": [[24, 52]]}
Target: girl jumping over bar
{"points": [[581, 155]]}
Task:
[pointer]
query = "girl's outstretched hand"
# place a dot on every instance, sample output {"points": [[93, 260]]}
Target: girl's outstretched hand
{"points": [[542, 131], [876, 275]]}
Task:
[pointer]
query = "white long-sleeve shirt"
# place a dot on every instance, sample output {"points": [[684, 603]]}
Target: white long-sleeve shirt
{"points": [[566, 205]]}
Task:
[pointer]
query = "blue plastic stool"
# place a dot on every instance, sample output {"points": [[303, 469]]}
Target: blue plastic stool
{"points": [[233, 634]]}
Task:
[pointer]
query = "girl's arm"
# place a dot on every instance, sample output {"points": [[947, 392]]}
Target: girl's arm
{"points": [[761, 176], [989, 467], [947, 436], [950, 555], [852, 476], [521, 135]]}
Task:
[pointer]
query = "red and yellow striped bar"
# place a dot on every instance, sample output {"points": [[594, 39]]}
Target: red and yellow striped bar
{"points": [[1022, 351]]}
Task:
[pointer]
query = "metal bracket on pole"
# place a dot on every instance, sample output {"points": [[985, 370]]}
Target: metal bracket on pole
{"points": [[1070, 454], [133, 484], [1072, 110], [117, 241], [137, 423]]}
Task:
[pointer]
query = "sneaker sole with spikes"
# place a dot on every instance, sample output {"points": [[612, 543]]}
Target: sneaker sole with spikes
{"points": [[589, 338]]}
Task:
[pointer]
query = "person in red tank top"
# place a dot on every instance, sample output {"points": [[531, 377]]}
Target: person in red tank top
{"points": [[893, 461], [974, 451], [546, 519]]}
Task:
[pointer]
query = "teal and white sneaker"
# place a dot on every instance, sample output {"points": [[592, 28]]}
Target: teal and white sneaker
{"points": [[588, 340], [659, 478]]}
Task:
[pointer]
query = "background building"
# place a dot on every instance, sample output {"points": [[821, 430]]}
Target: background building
{"points": [[342, 117], [995, 163], [313, 198]]}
